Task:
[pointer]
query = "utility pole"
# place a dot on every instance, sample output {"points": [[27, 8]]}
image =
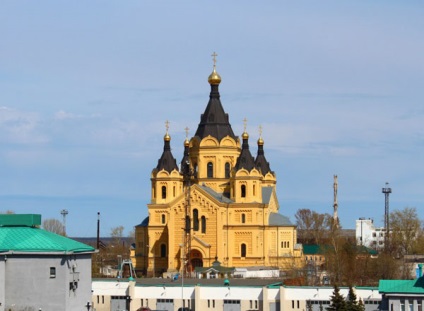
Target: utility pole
{"points": [[386, 190], [187, 172], [64, 212], [98, 230]]}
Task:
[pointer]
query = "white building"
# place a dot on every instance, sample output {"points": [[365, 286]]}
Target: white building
{"points": [[128, 295], [368, 235]]}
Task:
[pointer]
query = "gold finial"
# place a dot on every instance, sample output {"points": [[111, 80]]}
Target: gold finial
{"points": [[245, 135], [214, 77], [186, 141], [167, 137], [260, 140]]}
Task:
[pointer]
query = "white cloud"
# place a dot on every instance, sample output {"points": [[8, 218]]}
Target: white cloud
{"points": [[20, 127]]}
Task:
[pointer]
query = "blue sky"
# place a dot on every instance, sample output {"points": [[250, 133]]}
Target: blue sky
{"points": [[86, 87]]}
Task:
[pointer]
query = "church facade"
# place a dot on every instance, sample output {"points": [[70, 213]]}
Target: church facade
{"points": [[218, 204]]}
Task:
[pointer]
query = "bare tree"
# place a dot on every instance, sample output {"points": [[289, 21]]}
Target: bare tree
{"points": [[117, 233], [405, 227], [53, 225], [312, 227]]}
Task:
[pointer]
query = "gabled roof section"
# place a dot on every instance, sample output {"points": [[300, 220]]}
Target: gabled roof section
{"points": [[266, 194], [402, 286], [167, 161], [24, 239], [218, 196], [214, 121], [144, 223], [276, 219]]}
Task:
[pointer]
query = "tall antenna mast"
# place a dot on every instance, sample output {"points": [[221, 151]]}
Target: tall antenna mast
{"points": [[64, 212], [335, 204], [386, 190]]}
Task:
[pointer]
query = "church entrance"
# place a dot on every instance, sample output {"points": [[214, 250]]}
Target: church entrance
{"points": [[196, 259]]}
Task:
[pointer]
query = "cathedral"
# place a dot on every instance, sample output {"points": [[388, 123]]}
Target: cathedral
{"points": [[219, 204]]}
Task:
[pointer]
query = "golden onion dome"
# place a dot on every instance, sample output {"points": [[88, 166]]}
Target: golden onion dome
{"points": [[186, 142], [167, 137], [260, 141], [245, 135], [214, 78]]}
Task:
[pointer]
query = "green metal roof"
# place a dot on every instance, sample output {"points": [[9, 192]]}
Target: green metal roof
{"points": [[34, 240], [401, 286], [312, 249]]}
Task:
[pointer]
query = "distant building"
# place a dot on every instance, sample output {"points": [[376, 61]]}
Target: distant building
{"points": [[315, 264], [40, 270], [220, 203], [221, 295], [368, 235]]}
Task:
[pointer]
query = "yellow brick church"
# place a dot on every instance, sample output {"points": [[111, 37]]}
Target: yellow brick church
{"points": [[218, 204]]}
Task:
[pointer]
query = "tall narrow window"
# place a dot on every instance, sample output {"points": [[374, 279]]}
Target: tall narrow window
{"points": [[195, 220], [243, 191], [163, 219], [243, 218], [227, 170], [173, 191], [254, 189], [163, 192], [203, 219], [243, 250], [210, 169], [162, 250]]}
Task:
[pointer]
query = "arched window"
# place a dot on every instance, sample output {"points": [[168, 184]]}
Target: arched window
{"points": [[163, 192], [254, 189], [162, 250], [163, 219], [203, 220], [195, 220], [243, 250], [173, 191], [227, 170], [243, 191], [243, 218], [210, 169]]}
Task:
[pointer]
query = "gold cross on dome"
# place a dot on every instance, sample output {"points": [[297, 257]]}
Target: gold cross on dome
{"points": [[167, 126], [214, 55], [260, 131], [186, 131], [245, 124]]}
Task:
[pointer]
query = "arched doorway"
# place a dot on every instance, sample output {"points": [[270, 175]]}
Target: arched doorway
{"points": [[196, 259]]}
